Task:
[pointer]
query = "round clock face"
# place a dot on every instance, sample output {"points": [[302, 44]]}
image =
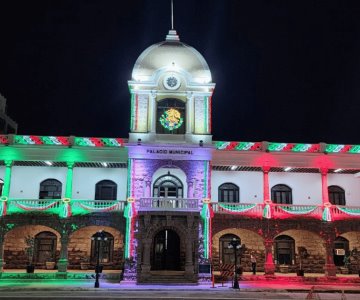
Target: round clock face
{"points": [[171, 82]]}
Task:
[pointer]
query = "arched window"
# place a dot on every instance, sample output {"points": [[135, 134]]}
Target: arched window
{"points": [[1, 185], [341, 248], [336, 195], [106, 249], [284, 250], [170, 111], [50, 189], [281, 194], [229, 193], [226, 254], [105, 190], [45, 247], [168, 186]]}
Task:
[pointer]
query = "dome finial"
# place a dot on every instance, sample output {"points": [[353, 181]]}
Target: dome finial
{"points": [[172, 15], [172, 35]]}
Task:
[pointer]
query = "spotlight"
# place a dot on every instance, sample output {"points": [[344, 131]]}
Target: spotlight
{"points": [[139, 142], [49, 163], [201, 143]]}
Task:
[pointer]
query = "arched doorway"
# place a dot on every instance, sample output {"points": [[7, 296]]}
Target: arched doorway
{"points": [[45, 247], [166, 251], [227, 254], [341, 248], [284, 250], [106, 249]]}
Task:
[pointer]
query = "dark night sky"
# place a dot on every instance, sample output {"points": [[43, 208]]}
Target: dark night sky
{"points": [[286, 71]]}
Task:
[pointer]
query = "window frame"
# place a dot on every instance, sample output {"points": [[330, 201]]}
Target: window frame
{"points": [[235, 197], [281, 194], [105, 183], [335, 190], [58, 190]]}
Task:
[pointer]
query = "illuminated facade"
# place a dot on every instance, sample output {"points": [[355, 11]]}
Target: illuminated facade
{"points": [[169, 198]]}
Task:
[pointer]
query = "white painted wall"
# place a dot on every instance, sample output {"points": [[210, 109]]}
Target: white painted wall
{"points": [[306, 187], [249, 183], [173, 171], [25, 181], [350, 184], [85, 179]]}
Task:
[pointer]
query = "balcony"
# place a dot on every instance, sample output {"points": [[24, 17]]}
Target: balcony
{"points": [[169, 204]]}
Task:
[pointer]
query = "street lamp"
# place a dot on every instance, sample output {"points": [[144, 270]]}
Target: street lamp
{"points": [[98, 238], [235, 244]]}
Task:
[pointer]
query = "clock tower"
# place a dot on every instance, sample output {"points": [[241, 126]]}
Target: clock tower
{"points": [[171, 90]]}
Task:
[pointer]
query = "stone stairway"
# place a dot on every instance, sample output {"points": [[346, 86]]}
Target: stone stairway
{"points": [[169, 278]]}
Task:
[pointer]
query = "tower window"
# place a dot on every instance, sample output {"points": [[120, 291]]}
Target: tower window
{"points": [[171, 116]]}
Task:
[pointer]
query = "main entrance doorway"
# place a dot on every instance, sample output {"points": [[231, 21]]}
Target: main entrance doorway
{"points": [[166, 251]]}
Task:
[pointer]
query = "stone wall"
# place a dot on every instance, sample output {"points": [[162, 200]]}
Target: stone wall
{"points": [[79, 248]]}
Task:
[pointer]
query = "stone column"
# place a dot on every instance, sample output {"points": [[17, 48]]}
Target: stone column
{"points": [[63, 260], [266, 190], [147, 189], [269, 261], [324, 185], [189, 112], [69, 179], [329, 268], [189, 266], [146, 265], [7, 178], [152, 111], [190, 193], [2, 240]]}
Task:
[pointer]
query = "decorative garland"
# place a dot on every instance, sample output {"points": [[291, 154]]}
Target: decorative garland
{"points": [[129, 214], [67, 212], [267, 209], [237, 208], [4, 139], [207, 214], [171, 119], [41, 140], [326, 215], [350, 211], [99, 142], [239, 146], [25, 207], [298, 210], [3, 205], [98, 209]]}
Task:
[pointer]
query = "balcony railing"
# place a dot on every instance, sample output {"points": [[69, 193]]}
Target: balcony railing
{"points": [[169, 204], [251, 210]]}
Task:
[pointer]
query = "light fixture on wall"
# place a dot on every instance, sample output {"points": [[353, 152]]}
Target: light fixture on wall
{"points": [[233, 168], [201, 143], [139, 142], [287, 169], [49, 163], [104, 164], [337, 170]]}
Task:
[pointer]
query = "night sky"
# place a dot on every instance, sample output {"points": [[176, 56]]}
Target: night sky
{"points": [[285, 71]]}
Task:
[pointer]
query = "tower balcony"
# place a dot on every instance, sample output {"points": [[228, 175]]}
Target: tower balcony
{"points": [[169, 204]]}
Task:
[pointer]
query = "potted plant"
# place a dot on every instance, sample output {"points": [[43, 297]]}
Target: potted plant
{"points": [[30, 243], [50, 264], [345, 268], [85, 263], [302, 252]]}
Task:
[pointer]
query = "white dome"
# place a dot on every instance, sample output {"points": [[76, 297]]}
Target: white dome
{"points": [[171, 55]]}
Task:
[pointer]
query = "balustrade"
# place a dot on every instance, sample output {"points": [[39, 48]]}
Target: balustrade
{"points": [[178, 204]]}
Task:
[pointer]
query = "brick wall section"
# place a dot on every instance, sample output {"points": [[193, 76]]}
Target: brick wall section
{"points": [[253, 243], [14, 249], [80, 246]]}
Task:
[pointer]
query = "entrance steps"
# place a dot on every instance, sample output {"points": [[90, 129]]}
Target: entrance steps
{"points": [[168, 278]]}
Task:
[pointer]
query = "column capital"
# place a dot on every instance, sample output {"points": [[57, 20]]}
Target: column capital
{"points": [[153, 94], [70, 164], [8, 162], [323, 171], [189, 95], [266, 169]]}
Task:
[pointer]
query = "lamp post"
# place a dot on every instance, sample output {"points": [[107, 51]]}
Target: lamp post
{"points": [[235, 244], [98, 238]]}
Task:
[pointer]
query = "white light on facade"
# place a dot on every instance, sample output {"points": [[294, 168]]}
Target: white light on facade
{"points": [[104, 164], [287, 169], [337, 170], [233, 168], [49, 163]]}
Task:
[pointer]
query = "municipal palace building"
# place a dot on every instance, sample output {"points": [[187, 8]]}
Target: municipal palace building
{"points": [[168, 199]]}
